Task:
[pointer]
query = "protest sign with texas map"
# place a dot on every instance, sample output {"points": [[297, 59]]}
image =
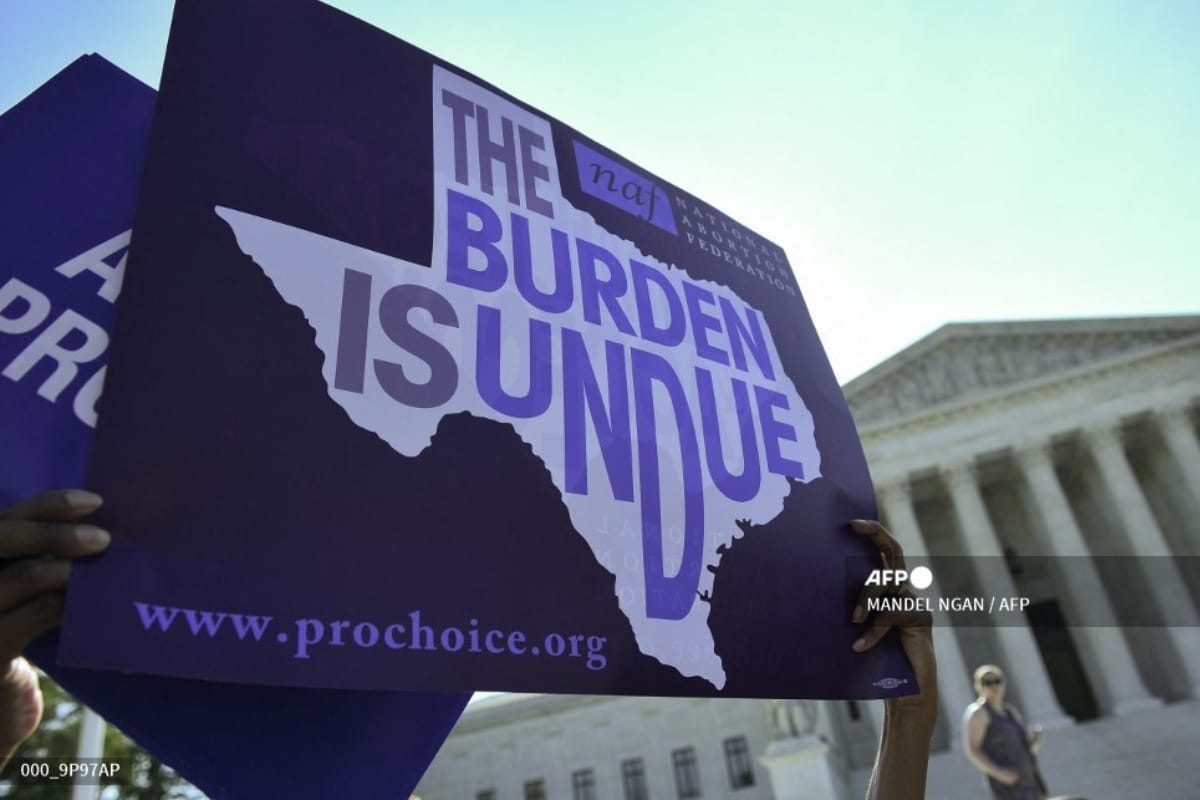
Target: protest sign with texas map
{"points": [[426, 389]]}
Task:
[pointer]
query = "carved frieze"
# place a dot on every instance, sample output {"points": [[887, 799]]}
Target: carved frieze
{"points": [[974, 362]]}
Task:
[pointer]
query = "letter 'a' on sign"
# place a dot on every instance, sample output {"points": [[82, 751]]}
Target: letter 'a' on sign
{"points": [[464, 390]]}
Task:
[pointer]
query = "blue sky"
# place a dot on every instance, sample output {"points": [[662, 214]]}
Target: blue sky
{"points": [[920, 162]]}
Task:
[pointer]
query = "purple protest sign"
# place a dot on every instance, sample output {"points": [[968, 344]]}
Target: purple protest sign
{"points": [[71, 155], [435, 404]]}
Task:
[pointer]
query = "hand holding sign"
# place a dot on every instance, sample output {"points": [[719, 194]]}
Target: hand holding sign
{"points": [[902, 763], [39, 537], [470, 389], [915, 627]]}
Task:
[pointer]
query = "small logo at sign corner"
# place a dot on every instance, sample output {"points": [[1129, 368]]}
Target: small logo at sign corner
{"points": [[890, 683], [619, 186]]}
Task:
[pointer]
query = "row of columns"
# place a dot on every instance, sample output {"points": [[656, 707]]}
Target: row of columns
{"points": [[1167, 587], [1119, 679]]}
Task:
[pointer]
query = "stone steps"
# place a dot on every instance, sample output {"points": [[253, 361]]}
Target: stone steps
{"points": [[1153, 754]]}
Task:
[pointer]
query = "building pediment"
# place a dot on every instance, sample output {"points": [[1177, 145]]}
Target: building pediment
{"points": [[962, 360]]}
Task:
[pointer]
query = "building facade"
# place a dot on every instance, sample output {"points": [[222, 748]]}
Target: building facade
{"points": [[565, 746], [1040, 443]]}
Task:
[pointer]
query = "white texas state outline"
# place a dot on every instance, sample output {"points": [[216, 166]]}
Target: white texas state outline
{"points": [[307, 270]]}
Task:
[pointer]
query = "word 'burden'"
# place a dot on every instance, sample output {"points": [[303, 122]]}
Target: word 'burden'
{"points": [[632, 303]]}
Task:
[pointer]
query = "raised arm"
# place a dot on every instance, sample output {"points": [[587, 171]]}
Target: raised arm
{"points": [[902, 763]]}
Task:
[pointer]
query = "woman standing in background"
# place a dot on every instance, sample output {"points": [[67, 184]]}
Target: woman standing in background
{"points": [[998, 743]]}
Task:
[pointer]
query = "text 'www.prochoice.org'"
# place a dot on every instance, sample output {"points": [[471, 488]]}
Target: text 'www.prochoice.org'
{"points": [[308, 636]]}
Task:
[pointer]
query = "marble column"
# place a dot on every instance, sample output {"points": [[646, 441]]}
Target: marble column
{"points": [[1017, 645], [1111, 666], [1176, 426], [1147, 541], [954, 676]]}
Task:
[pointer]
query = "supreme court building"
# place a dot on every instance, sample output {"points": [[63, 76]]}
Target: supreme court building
{"points": [[1017, 440]]}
